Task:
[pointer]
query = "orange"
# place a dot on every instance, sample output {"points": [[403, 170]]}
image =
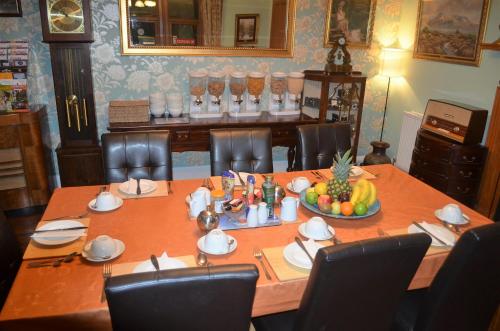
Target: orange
{"points": [[346, 208]]}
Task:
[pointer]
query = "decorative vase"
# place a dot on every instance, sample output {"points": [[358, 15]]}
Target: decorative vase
{"points": [[377, 156]]}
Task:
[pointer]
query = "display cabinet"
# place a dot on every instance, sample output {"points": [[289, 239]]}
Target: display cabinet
{"points": [[335, 98]]}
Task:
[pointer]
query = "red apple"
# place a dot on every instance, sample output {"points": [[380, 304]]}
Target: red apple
{"points": [[325, 203]]}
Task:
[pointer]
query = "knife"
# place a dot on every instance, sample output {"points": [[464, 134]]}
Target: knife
{"points": [[154, 261], [429, 233], [138, 192], [242, 182], [301, 245], [62, 229]]}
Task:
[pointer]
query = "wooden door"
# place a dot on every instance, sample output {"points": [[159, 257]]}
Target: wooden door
{"points": [[489, 192], [278, 24]]}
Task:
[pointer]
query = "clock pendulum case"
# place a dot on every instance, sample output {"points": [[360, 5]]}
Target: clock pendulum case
{"points": [[67, 27]]}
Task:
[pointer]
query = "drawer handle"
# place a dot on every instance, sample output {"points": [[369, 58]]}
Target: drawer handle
{"points": [[465, 190], [466, 159], [469, 174]]}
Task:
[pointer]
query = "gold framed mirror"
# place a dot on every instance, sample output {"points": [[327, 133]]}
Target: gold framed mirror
{"points": [[207, 27]]}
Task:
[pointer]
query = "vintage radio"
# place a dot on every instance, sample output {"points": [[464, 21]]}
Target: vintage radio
{"points": [[459, 122]]}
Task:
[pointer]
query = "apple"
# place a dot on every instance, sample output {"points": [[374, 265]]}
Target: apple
{"points": [[311, 197], [324, 203], [336, 208]]}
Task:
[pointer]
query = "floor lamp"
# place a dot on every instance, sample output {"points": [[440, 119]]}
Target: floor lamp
{"points": [[390, 67]]}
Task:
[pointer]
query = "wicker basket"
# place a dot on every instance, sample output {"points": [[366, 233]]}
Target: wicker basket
{"points": [[126, 111]]}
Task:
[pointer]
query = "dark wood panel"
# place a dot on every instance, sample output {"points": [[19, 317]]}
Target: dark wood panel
{"points": [[80, 166]]}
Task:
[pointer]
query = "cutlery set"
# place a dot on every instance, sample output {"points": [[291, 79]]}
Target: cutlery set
{"points": [[318, 175], [53, 262]]}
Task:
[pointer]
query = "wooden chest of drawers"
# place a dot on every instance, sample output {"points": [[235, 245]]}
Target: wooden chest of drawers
{"points": [[447, 166]]}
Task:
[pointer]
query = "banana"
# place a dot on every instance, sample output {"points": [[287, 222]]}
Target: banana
{"points": [[356, 192], [373, 195], [365, 190]]}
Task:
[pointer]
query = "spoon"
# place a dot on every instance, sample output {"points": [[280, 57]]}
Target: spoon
{"points": [[229, 244], [453, 227], [201, 259], [55, 263]]}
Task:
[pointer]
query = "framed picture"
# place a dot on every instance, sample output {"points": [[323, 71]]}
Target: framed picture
{"points": [[354, 18], [10, 8], [247, 28], [450, 30]]}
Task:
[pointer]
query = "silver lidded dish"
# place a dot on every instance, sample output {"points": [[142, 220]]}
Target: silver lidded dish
{"points": [[207, 220]]}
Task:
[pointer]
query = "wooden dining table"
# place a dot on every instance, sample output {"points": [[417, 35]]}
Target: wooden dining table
{"points": [[68, 297]]}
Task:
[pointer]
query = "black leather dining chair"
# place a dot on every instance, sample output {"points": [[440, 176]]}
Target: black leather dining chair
{"points": [[317, 144], [354, 287], [10, 257], [465, 293], [192, 299], [248, 150], [144, 155]]}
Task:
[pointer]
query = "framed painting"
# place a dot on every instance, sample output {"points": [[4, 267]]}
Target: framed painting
{"points": [[10, 8], [247, 28], [450, 30], [354, 18]]}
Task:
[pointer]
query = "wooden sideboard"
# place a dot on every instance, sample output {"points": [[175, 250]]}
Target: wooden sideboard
{"points": [[195, 135], [23, 173], [449, 167]]}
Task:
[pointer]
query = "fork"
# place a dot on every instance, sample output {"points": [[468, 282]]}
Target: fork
{"points": [[169, 187], [68, 217], [257, 253], [106, 274], [321, 176]]}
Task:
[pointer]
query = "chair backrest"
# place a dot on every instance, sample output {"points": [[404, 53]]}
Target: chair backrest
{"points": [[317, 144], [357, 286], [145, 155], [465, 293], [213, 298], [10, 257], [248, 150]]}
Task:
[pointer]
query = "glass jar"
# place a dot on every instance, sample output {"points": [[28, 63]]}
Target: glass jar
{"points": [[255, 85], [217, 201], [295, 83], [237, 85], [197, 85], [216, 85], [278, 86]]}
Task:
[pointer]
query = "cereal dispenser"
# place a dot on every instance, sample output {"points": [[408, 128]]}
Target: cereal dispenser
{"points": [[216, 85], [295, 86], [197, 88], [255, 86], [237, 87], [278, 88]]}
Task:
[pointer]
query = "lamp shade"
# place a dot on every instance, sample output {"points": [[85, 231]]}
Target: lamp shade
{"points": [[392, 62]]}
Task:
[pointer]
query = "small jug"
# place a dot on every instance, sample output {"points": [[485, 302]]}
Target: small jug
{"points": [[289, 206], [197, 204]]}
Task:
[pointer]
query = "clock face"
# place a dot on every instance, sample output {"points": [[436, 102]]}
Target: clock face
{"points": [[341, 40], [65, 16]]}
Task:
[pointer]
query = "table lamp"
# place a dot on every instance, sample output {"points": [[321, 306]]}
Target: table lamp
{"points": [[391, 66]]}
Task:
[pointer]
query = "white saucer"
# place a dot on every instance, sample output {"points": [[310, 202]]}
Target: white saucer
{"points": [[296, 256], [302, 231], [120, 248], [54, 241], [465, 218], [119, 203], [147, 186], [439, 230], [201, 246], [289, 187], [164, 262]]}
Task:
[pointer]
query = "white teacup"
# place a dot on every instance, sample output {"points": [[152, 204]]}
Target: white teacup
{"points": [[300, 183], [103, 247], [105, 200], [216, 241], [452, 213], [316, 227], [206, 191]]}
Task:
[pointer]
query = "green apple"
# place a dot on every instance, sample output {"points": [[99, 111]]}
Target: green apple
{"points": [[336, 208], [311, 197]]}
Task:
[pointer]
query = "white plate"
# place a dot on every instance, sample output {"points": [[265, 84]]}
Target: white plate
{"points": [[130, 186], [465, 218], [289, 187], [164, 262], [355, 171], [297, 257], [118, 204], [439, 230], [53, 241], [302, 231], [120, 248], [201, 246]]}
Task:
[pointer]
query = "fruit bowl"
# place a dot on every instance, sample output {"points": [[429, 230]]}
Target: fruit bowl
{"points": [[314, 208]]}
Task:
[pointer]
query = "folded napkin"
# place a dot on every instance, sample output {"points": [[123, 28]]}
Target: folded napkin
{"points": [[439, 232], [164, 262], [131, 187], [59, 234]]}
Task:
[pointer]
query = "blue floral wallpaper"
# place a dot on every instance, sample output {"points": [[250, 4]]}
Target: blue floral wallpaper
{"points": [[132, 77]]}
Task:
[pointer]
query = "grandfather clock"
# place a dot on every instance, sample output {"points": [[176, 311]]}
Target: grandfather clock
{"points": [[67, 27]]}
